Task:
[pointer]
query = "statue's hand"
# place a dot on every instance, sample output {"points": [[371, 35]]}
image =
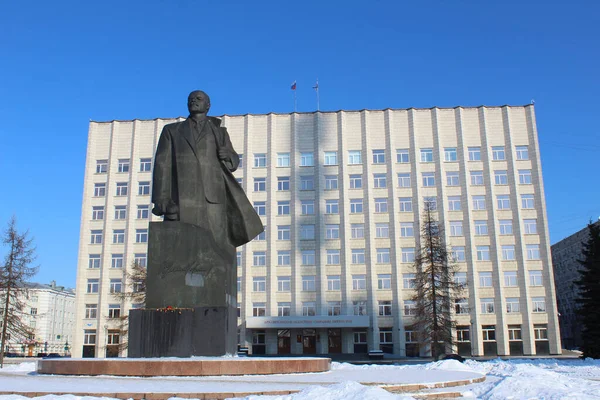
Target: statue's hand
{"points": [[224, 154]]}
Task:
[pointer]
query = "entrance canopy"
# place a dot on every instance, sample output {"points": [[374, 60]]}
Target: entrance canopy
{"points": [[333, 321]]}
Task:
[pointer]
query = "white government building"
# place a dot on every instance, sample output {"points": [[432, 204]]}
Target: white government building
{"points": [[341, 195]]}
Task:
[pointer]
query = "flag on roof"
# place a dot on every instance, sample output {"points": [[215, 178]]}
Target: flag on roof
{"points": [[316, 87], [294, 85]]}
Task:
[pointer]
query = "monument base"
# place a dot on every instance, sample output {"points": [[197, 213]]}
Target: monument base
{"points": [[198, 331]]}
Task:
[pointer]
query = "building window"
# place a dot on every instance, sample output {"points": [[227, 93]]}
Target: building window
{"points": [[307, 182], [409, 281], [426, 155], [259, 258], [356, 206], [140, 259], [402, 156], [120, 212], [476, 178], [101, 166], [380, 181], [530, 226], [96, 237], [525, 176], [307, 232], [309, 308], [355, 181], [239, 284], [474, 153], [382, 230], [485, 279], [259, 309], [498, 153], [359, 282], [405, 204], [501, 177], [527, 201], [407, 229], [463, 334], [331, 182], [381, 205], [404, 180], [460, 278], [114, 311], [333, 282], [357, 231], [308, 283], [122, 188], [334, 308], [283, 283], [92, 285], [383, 256], [259, 284], [452, 178], [260, 207], [508, 252], [360, 308], [283, 207], [481, 227], [533, 251], [539, 304], [358, 256], [283, 183], [489, 333], [308, 207], [456, 228], [454, 203], [98, 212], [332, 206], [283, 309], [512, 305], [118, 236], [331, 158], [116, 285], [91, 311], [145, 164], [385, 308], [428, 179], [141, 235], [89, 337], [124, 165], [354, 157], [478, 202], [263, 235], [378, 156], [384, 281], [143, 212], [333, 256], [260, 184], [430, 203], [461, 306], [408, 254], [503, 202], [117, 261], [505, 226], [94, 261], [99, 189], [458, 253], [450, 154], [522, 152], [332, 231], [483, 253], [33, 311], [308, 257], [410, 308], [144, 188], [240, 181], [540, 332], [260, 160], [487, 306], [510, 278], [535, 278], [307, 160], [283, 159]]}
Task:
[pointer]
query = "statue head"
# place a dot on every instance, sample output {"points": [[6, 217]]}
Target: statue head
{"points": [[198, 102]]}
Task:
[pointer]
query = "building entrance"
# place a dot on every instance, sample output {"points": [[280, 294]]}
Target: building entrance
{"points": [[284, 344], [334, 337], [309, 341]]}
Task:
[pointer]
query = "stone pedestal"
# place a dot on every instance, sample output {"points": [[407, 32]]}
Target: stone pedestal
{"points": [[198, 331]]}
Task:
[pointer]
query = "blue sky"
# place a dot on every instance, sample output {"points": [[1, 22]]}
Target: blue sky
{"points": [[64, 63]]}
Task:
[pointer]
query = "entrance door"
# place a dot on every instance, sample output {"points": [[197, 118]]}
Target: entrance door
{"points": [[284, 344], [309, 341], [334, 337], [360, 342], [89, 351]]}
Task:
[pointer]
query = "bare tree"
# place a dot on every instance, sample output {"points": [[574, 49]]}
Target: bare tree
{"points": [[14, 274], [135, 292], [435, 288]]}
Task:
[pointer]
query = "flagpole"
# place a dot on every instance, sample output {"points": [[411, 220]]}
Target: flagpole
{"points": [[316, 87], [295, 101]]}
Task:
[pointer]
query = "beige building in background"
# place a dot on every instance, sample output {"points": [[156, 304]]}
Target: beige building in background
{"points": [[341, 195]]}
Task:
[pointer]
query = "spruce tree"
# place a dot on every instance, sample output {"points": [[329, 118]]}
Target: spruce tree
{"points": [[589, 293], [135, 292]]}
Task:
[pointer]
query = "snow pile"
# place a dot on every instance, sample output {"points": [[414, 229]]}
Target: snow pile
{"points": [[22, 367], [345, 390], [450, 365]]}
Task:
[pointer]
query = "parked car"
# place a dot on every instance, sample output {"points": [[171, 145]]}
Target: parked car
{"points": [[53, 355]]}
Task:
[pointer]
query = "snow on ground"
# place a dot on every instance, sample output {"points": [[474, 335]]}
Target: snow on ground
{"points": [[514, 379]]}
